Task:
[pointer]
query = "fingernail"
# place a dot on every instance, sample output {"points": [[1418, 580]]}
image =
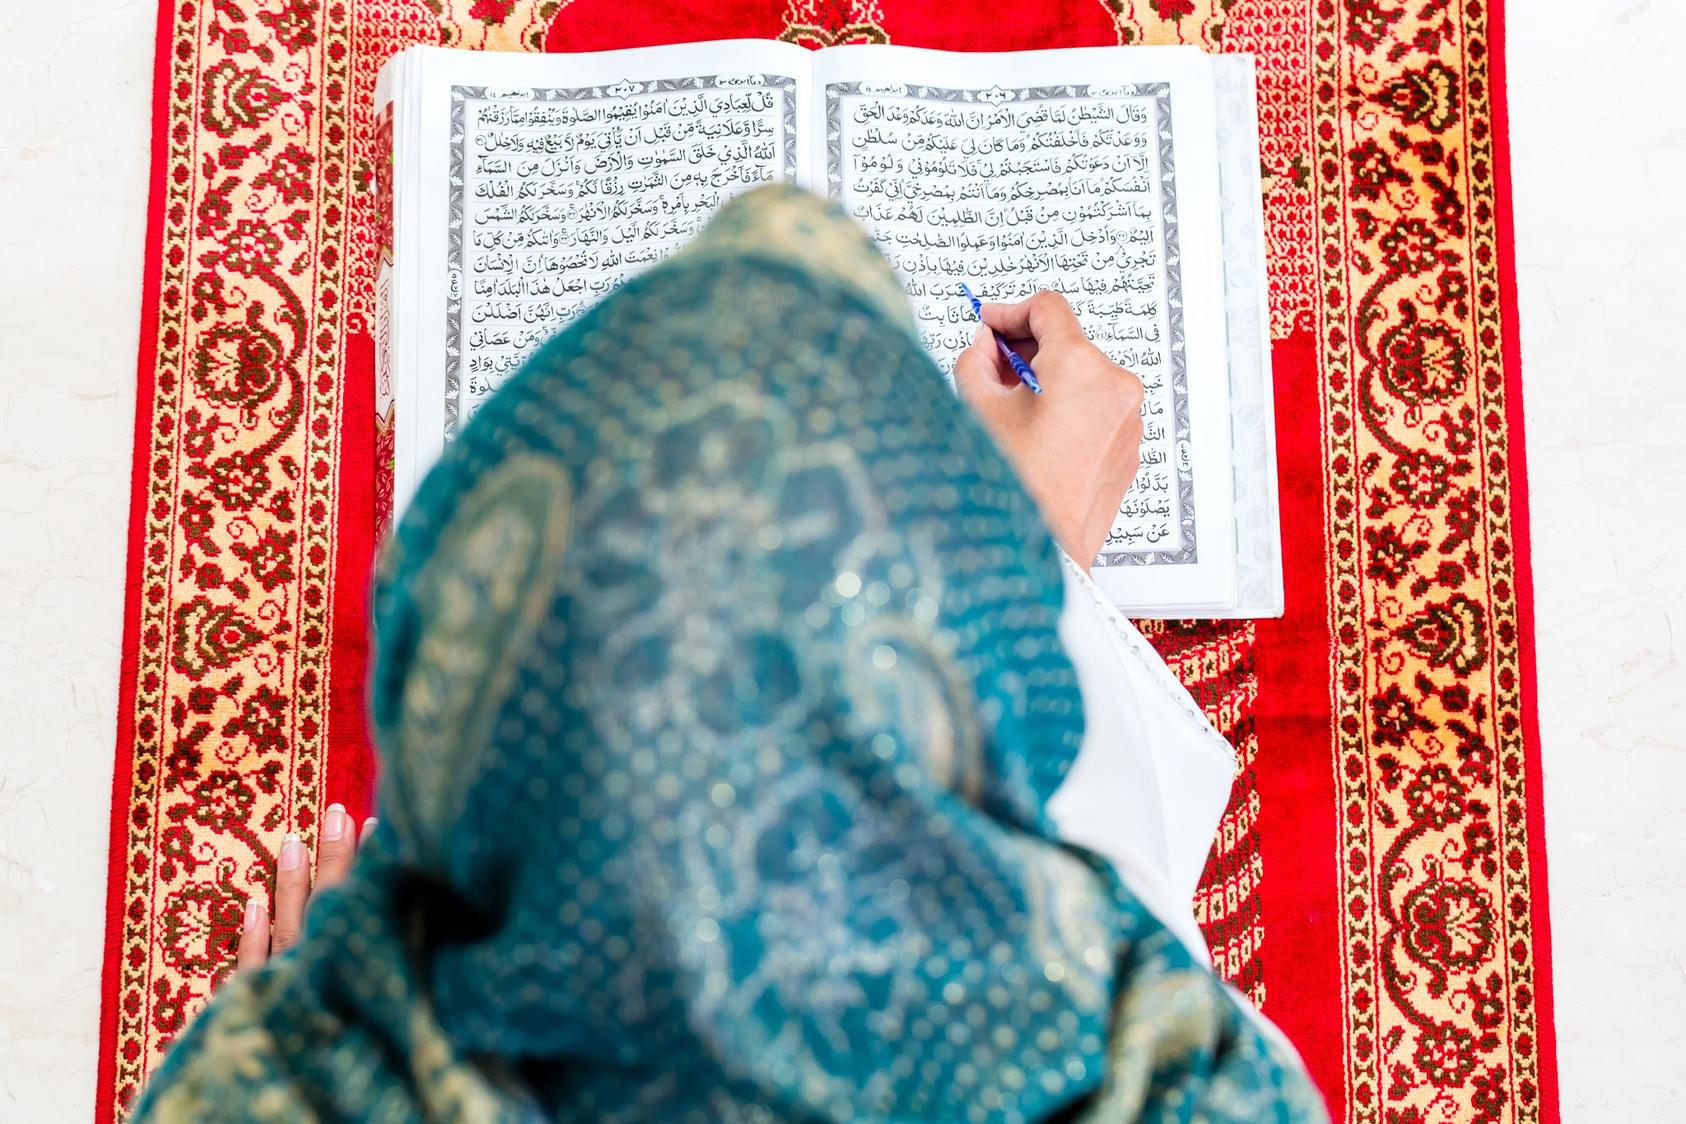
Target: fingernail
{"points": [[368, 826], [254, 912], [292, 852], [333, 823]]}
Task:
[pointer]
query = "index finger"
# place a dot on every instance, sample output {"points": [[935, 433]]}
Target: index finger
{"points": [[1045, 317], [334, 848]]}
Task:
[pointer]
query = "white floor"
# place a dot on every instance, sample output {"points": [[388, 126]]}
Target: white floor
{"points": [[1600, 167], [1599, 156]]}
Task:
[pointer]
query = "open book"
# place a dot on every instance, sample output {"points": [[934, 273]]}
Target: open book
{"points": [[523, 188]]}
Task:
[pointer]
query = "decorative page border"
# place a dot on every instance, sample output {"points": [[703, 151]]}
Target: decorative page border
{"points": [[462, 95], [1160, 93]]}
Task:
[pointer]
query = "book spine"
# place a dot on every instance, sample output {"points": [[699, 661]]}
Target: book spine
{"points": [[385, 404]]}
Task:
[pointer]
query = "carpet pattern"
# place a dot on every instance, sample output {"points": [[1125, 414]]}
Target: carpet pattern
{"points": [[1378, 883]]}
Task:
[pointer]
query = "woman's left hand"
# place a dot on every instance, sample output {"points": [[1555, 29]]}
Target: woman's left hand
{"points": [[264, 933]]}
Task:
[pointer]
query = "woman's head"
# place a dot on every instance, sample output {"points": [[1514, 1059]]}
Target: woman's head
{"points": [[718, 676]]}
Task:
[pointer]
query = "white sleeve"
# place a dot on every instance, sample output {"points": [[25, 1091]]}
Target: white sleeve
{"points": [[1152, 776]]}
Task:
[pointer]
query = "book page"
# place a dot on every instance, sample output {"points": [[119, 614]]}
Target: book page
{"points": [[543, 182], [1251, 391], [1090, 171]]}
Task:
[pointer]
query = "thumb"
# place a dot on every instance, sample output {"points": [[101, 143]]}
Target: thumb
{"points": [[982, 377]]}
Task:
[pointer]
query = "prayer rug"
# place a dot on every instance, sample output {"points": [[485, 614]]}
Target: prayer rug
{"points": [[1379, 880]]}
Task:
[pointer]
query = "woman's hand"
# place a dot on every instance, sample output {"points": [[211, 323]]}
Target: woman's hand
{"points": [[263, 934], [1077, 445]]}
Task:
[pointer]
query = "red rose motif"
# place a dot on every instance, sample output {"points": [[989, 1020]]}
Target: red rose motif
{"points": [[288, 173], [1421, 478], [1372, 170], [238, 480], [1390, 556], [175, 845], [251, 249], [234, 39], [1480, 847], [1446, 1055], [1463, 513], [1411, 246], [491, 11], [169, 1008], [198, 922], [1453, 293], [263, 719], [1392, 717], [1173, 10], [1435, 797], [294, 25], [197, 522], [1487, 1005], [207, 290], [1368, 22], [222, 800], [270, 559], [1488, 1095]]}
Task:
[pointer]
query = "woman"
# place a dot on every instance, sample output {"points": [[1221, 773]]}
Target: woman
{"points": [[721, 702]]}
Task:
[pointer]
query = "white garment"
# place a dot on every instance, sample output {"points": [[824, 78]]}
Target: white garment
{"points": [[1152, 775]]}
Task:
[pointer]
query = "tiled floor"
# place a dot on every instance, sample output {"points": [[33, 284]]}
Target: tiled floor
{"points": [[1600, 168]]}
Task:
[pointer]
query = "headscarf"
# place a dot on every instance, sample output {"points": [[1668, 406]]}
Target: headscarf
{"points": [[719, 702]]}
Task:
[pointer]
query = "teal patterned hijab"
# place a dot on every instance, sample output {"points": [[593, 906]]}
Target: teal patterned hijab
{"points": [[719, 704]]}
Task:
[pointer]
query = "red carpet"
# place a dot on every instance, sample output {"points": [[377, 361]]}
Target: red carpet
{"points": [[1379, 884]]}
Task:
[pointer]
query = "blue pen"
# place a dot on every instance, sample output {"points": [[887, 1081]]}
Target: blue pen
{"points": [[1013, 358]]}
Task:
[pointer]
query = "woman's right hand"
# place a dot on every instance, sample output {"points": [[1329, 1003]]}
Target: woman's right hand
{"points": [[1076, 446]]}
